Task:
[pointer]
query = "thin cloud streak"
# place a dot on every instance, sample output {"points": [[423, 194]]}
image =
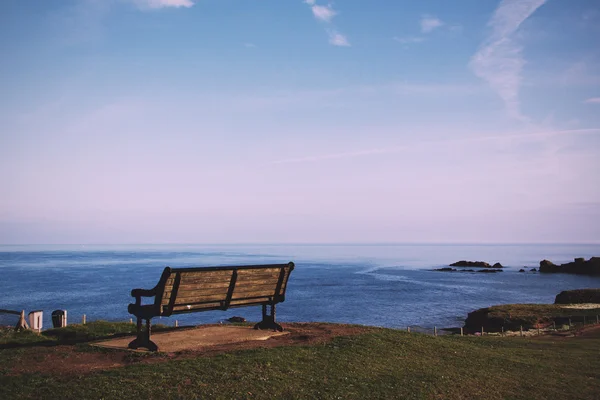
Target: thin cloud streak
{"points": [[429, 23], [499, 60], [409, 39], [593, 100], [157, 4], [399, 149]]}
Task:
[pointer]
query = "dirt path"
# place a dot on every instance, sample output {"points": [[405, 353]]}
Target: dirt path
{"points": [[66, 360]]}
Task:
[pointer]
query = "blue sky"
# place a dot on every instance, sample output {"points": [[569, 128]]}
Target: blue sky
{"points": [[228, 121]]}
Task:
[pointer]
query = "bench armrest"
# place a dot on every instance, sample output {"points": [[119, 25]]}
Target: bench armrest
{"points": [[143, 292], [139, 293]]}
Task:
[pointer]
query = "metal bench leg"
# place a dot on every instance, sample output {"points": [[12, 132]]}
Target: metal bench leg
{"points": [[268, 321], [143, 338]]}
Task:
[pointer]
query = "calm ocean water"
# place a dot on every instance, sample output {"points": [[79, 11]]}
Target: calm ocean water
{"points": [[381, 285]]}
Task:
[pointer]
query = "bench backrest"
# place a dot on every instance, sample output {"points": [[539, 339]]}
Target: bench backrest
{"points": [[183, 290]]}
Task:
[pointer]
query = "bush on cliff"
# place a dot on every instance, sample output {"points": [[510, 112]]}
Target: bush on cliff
{"points": [[578, 296], [529, 316]]}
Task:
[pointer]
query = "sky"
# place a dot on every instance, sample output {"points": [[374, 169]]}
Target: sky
{"points": [[291, 121]]}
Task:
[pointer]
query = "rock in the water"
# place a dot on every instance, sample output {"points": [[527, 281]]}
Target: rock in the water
{"points": [[533, 270], [489, 271], [497, 265], [521, 270], [236, 319], [464, 263], [579, 267], [446, 269]]}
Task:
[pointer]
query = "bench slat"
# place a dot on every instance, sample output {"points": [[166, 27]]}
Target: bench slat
{"points": [[185, 291]]}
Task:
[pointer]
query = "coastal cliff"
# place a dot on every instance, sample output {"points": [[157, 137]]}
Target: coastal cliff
{"points": [[580, 267]]}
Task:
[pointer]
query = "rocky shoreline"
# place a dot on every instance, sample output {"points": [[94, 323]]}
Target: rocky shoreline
{"points": [[565, 310], [580, 266]]}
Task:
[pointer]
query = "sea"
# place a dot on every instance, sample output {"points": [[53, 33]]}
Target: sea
{"points": [[387, 285]]}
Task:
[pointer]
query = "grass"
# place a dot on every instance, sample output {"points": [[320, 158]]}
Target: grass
{"points": [[383, 364], [75, 333]]}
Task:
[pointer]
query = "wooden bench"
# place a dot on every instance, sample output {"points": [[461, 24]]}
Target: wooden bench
{"points": [[186, 290]]}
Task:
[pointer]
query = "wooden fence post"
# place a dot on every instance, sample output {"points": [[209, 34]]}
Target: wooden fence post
{"points": [[482, 331], [408, 329], [176, 324], [83, 319], [131, 320], [461, 331], [502, 333], [521, 330], [435, 331], [554, 325]]}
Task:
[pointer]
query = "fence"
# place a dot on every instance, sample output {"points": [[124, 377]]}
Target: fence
{"points": [[559, 324]]}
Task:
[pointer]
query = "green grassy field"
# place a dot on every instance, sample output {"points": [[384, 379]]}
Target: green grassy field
{"points": [[381, 364]]}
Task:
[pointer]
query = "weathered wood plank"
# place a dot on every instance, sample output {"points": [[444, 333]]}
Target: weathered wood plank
{"points": [[188, 293], [199, 298], [195, 307], [259, 300], [260, 293], [214, 275], [257, 277]]}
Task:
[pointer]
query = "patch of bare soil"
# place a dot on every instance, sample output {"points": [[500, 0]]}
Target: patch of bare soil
{"points": [[65, 360], [587, 332]]}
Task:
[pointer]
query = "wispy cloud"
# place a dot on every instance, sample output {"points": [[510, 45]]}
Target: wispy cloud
{"points": [[429, 23], [472, 139], [326, 14], [409, 39], [593, 100], [249, 45], [323, 13], [499, 60], [337, 39], [157, 4]]}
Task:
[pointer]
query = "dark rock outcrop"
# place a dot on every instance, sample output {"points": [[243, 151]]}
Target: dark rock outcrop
{"points": [[578, 296], [521, 270], [580, 267], [236, 319], [533, 270], [497, 265], [448, 269], [463, 263]]}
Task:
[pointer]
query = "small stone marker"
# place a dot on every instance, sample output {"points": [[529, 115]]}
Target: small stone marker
{"points": [[22, 324]]}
